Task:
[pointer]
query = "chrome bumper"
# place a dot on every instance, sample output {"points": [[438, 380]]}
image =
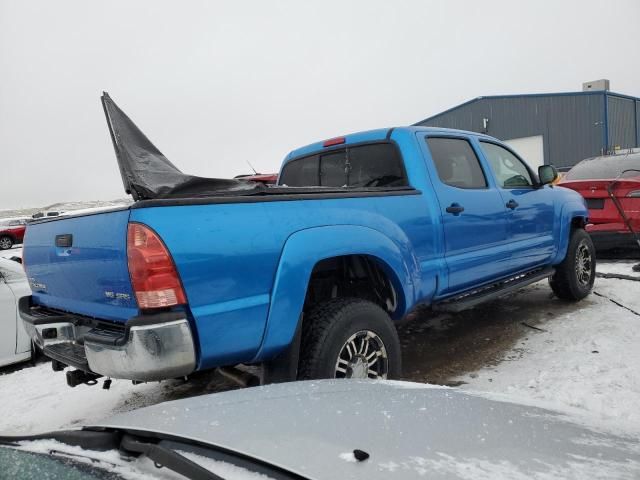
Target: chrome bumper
{"points": [[149, 348], [151, 352]]}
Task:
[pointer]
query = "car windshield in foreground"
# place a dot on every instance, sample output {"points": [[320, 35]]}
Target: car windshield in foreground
{"points": [[25, 465], [608, 167], [110, 455]]}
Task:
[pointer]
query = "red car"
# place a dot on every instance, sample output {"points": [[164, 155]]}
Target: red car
{"points": [[11, 232], [611, 186], [266, 178]]}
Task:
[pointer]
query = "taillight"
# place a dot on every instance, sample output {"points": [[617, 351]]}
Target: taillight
{"points": [[154, 277]]}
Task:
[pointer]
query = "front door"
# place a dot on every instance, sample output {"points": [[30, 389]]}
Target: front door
{"points": [[531, 208], [473, 214]]}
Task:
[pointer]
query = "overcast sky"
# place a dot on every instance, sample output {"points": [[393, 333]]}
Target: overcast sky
{"points": [[216, 84]]}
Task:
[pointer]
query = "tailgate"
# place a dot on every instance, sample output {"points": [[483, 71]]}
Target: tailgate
{"points": [[79, 265]]}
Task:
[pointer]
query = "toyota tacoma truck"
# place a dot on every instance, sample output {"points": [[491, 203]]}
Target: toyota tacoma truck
{"points": [[307, 278]]}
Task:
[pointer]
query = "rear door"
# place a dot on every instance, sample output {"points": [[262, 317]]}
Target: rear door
{"points": [[473, 214], [530, 209]]}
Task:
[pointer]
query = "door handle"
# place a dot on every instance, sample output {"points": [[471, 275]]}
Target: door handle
{"points": [[512, 204], [455, 208]]}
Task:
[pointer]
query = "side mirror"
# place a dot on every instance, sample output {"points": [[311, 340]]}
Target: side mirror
{"points": [[547, 174]]}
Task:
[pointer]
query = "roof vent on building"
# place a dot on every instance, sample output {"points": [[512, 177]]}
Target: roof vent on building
{"points": [[602, 84]]}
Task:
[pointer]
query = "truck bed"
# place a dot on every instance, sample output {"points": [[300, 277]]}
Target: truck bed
{"points": [[226, 249]]}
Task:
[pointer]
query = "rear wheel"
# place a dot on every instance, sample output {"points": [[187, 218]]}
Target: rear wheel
{"points": [[6, 243], [349, 338], [574, 277]]}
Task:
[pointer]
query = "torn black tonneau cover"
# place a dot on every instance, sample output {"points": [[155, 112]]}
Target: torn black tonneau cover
{"points": [[148, 174], [151, 179]]}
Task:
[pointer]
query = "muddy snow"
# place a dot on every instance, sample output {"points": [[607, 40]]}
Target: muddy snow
{"points": [[583, 363], [580, 359]]}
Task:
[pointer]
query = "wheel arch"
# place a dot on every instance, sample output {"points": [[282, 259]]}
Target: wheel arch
{"points": [[573, 215], [304, 250]]}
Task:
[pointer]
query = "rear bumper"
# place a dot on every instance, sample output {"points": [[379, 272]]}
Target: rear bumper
{"points": [[146, 348], [610, 240]]}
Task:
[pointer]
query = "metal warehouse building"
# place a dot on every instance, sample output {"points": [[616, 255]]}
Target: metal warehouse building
{"points": [[556, 128]]}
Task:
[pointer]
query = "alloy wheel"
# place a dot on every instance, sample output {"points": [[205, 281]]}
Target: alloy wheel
{"points": [[584, 264], [363, 355]]}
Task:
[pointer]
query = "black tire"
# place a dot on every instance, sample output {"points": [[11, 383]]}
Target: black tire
{"points": [[574, 277], [6, 242], [330, 325]]}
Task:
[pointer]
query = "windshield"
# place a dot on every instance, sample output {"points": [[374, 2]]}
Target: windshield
{"points": [[21, 465], [110, 455], [608, 167]]}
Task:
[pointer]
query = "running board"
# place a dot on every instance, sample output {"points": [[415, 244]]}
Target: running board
{"points": [[476, 297]]}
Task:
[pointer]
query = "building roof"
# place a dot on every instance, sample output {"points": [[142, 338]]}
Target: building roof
{"points": [[528, 95]]}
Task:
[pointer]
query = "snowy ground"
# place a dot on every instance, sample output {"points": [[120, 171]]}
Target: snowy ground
{"points": [[579, 359], [15, 251], [584, 363]]}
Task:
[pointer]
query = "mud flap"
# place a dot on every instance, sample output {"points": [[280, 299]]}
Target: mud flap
{"points": [[284, 368]]}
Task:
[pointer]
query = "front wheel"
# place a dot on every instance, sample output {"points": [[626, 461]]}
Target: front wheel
{"points": [[574, 277], [349, 338], [6, 243]]}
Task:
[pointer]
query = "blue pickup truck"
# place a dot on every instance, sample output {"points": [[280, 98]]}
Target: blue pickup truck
{"points": [[306, 278]]}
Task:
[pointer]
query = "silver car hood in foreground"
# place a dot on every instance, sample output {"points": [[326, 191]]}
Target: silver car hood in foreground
{"points": [[409, 430]]}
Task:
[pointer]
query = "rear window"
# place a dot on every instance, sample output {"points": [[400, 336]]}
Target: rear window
{"points": [[605, 167], [456, 162], [374, 165]]}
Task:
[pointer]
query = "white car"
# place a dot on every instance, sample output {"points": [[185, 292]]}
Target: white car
{"points": [[328, 430], [15, 344]]}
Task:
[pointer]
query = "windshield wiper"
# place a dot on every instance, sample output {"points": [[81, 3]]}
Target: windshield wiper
{"points": [[168, 458], [98, 440], [101, 440]]}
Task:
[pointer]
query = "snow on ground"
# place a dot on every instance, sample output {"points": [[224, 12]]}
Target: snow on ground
{"points": [[11, 252], [36, 400], [63, 207], [620, 267], [584, 363]]}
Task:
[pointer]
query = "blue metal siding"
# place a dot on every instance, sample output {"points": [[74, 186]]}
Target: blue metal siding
{"points": [[637, 123], [622, 127]]}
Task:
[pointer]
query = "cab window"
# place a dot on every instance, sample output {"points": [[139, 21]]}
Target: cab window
{"points": [[456, 163], [509, 170], [365, 166]]}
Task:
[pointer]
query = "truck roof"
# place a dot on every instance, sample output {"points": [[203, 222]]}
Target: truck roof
{"points": [[379, 134]]}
